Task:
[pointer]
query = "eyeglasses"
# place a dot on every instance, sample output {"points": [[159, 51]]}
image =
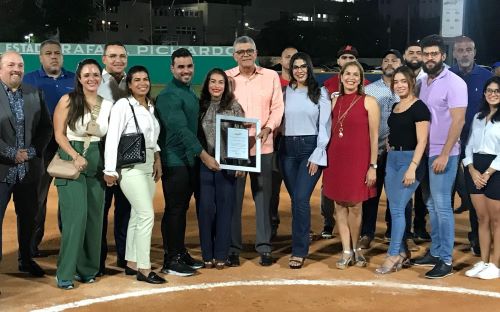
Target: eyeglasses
{"points": [[492, 91], [243, 52], [115, 56], [431, 54], [302, 67], [347, 57]]}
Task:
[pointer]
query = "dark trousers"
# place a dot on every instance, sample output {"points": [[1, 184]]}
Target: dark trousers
{"points": [[43, 191], [25, 204], [261, 191], [277, 179], [370, 206], [419, 221], [122, 215], [179, 184], [216, 204]]}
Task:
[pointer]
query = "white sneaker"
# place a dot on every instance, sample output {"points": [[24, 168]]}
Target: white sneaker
{"points": [[476, 269], [491, 272]]}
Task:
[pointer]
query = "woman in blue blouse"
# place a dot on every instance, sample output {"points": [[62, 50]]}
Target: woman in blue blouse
{"points": [[306, 132], [482, 159]]}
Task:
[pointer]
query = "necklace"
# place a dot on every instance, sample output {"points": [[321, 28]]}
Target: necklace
{"points": [[342, 117]]}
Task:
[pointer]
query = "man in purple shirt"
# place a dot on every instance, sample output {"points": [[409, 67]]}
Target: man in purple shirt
{"points": [[446, 97]]}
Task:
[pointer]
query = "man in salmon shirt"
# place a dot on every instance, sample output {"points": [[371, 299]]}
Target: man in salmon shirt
{"points": [[258, 90]]}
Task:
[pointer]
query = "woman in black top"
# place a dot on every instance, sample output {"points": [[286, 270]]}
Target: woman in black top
{"points": [[408, 132]]}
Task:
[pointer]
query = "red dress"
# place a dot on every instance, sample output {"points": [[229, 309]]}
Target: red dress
{"points": [[349, 155]]}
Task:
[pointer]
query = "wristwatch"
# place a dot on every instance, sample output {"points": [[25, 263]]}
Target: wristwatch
{"points": [[374, 166]]}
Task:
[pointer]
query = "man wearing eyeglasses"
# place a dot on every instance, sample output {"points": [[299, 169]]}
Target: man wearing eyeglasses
{"points": [[113, 87], [464, 52], [445, 94], [258, 90], [55, 81]]}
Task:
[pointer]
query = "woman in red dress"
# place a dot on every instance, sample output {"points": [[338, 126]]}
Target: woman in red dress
{"points": [[349, 178]]}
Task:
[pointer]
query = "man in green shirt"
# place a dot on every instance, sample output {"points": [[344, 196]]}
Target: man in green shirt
{"points": [[177, 108]]}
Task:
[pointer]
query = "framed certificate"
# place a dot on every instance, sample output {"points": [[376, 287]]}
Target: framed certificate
{"points": [[234, 137]]}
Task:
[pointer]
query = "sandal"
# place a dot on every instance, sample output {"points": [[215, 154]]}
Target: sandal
{"points": [[345, 260], [296, 262], [208, 264], [359, 258], [220, 264]]}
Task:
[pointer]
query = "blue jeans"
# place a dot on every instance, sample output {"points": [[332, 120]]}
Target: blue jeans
{"points": [[294, 155], [398, 195], [437, 194]]}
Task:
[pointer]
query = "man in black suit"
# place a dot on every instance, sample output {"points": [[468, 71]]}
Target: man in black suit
{"points": [[25, 131]]}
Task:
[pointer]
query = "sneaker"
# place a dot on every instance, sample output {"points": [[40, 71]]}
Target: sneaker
{"points": [[411, 245], [85, 280], [177, 267], [476, 269], [193, 263], [64, 284], [364, 242], [440, 270], [327, 232], [266, 259], [426, 260], [421, 236], [491, 272], [233, 260]]}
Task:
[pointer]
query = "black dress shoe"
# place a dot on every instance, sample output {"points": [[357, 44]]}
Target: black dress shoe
{"points": [[152, 278], [121, 263], [266, 259], [233, 260], [130, 271], [32, 268]]}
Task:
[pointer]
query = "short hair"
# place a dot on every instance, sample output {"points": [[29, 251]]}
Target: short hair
{"points": [[113, 43], [361, 88], [181, 52], [463, 39], [415, 43], [49, 41], [433, 40], [409, 76], [244, 39]]}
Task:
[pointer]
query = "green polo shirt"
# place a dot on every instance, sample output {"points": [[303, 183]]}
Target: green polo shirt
{"points": [[177, 109]]}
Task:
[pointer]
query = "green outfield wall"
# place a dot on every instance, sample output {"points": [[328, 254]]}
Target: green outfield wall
{"points": [[155, 58]]}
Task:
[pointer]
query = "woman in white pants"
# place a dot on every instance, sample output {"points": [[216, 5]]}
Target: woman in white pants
{"points": [[137, 181]]}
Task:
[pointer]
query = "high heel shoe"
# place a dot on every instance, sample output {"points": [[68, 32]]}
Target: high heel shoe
{"points": [[345, 260], [391, 264], [359, 258]]}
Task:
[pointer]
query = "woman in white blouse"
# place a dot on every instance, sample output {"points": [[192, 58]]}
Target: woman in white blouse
{"points": [[482, 159], [80, 121], [302, 151], [138, 181]]}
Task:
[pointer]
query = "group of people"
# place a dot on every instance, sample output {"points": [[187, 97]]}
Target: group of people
{"points": [[404, 132]]}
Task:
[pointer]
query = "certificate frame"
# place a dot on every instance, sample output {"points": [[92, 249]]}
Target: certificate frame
{"points": [[218, 122]]}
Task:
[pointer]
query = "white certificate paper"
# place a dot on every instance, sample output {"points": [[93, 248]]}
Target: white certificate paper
{"points": [[237, 143]]}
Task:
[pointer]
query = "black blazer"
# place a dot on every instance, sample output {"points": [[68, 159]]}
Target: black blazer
{"points": [[38, 130]]}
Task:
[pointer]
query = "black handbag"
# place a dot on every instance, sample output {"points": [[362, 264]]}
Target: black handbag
{"points": [[132, 147]]}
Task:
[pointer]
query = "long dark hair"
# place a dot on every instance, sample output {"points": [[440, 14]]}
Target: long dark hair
{"points": [[227, 96], [313, 89], [77, 103], [128, 79], [484, 110], [361, 88]]}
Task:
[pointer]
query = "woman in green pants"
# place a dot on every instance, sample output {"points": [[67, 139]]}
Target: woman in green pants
{"points": [[80, 121]]}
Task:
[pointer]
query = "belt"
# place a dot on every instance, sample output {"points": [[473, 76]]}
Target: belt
{"points": [[400, 148]]}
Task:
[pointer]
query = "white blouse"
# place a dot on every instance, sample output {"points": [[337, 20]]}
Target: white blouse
{"points": [[80, 132], [484, 139], [121, 121]]}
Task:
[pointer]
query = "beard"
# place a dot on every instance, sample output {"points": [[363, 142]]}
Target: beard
{"points": [[434, 70], [414, 66]]}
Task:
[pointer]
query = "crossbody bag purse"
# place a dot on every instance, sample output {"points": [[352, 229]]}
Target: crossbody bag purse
{"points": [[132, 146]]}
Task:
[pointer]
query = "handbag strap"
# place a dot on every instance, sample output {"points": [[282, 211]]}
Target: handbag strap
{"points": [[135, 119]]}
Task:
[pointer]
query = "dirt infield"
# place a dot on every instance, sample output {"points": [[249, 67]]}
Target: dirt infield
{"points": [[319, 286]]}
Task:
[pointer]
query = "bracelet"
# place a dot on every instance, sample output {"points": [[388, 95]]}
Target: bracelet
{"points": [[416, 164], [487, 172]]}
